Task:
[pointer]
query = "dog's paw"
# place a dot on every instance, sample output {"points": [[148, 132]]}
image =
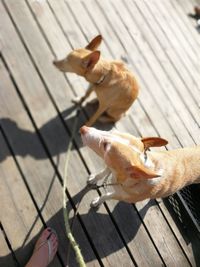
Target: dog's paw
{"points": [[91, 179], [95, 203], [77, 100]]}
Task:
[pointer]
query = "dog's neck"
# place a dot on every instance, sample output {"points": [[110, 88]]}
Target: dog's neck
{"points": [[150, 163], [98, 74], [180, 162], [101, 80]]}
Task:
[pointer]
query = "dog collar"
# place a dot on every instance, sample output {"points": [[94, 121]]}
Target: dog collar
{"points": [[102, 78]]}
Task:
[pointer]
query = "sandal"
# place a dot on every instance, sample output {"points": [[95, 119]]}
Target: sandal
{"points": [[52, 246]]}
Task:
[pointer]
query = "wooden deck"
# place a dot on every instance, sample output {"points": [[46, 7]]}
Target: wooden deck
{"points": [[162, 47]]}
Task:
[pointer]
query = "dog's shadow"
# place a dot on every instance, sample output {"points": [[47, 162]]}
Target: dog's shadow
{"points": [[53, 133], [99, 228]]}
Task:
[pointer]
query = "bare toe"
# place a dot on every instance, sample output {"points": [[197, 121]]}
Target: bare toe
{"points": [[45, 249], [43, 237]]}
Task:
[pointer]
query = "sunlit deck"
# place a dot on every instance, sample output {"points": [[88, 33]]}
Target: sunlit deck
{"points": [[161, 45]]}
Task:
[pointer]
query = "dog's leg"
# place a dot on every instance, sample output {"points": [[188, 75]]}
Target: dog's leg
{"points": [[95, 177], [80, 100], [107, 119], [97, 114], [99, 200]]}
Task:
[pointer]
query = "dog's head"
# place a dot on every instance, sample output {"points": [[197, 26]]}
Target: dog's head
{"points": [[121, 152], [81, 60]]}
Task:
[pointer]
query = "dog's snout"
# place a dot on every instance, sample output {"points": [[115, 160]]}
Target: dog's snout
{"points": [[84, 129], [55, 62]]}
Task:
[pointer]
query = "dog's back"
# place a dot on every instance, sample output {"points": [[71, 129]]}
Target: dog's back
{"points": [[120, 89]]}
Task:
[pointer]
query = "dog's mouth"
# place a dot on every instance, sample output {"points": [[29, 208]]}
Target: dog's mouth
{"points": [[84, 134], [83, 130], [58, 65], [91, 138], [63, 65], [55, 62]]}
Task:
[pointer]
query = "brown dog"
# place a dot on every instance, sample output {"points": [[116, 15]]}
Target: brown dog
{"points": [[137, 174], [116, 88]]}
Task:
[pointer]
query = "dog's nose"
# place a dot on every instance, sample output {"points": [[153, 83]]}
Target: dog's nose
{"points": [[54, 62], [84, 129]]}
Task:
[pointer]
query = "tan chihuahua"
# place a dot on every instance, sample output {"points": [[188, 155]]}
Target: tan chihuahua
{"points": [[116, 88], [137, 174]]}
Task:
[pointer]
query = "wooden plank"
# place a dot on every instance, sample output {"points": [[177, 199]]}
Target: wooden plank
{"points": [[6, 257], [185, 28], [17, 206], [130, 40], [94, 221], [144, 259], [190, 254], [164, 57], [146, 250], [169, 97], [183, 15], [170, 50], [183, 94], [38, 171], [149, 100], [181, 41], [89, 24], [173, 40], [181, 235], [143, 132], [164, 60], [187, 8], [140, 250], [42, 181]]}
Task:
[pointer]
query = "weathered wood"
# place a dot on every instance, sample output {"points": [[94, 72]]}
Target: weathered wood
{"points": [[171, 54], [187, 9], [169, 100], [139, 250], [6, 258], [188, 68], [184, 51], [45, 76], [147, 79], [18, 214], [157, 38], [60, 18], [127, 238], [93, 221], [16, 203], [182, 16], [166, 107], [40, 175], [181, 33], [143, 249]]}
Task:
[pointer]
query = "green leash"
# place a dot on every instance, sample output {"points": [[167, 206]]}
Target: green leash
{"points": [[73, 243]]}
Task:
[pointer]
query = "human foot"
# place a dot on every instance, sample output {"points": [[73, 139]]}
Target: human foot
{"points": [[45, 249]]}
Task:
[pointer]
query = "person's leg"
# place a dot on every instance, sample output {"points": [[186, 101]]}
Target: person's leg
{"points": [[45, 249]]}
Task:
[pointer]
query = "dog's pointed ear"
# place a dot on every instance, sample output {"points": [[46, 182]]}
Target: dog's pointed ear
{"points": [[95, 43], [153, 142], [141, 172], [91, 60]]}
